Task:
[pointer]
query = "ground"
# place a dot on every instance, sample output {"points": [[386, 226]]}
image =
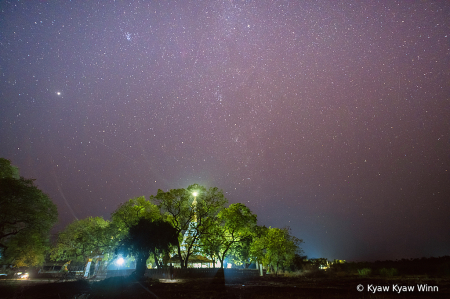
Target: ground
{"points": [[260, 287]]}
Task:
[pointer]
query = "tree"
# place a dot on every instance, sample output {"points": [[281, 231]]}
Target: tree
{"points": [[7, 170], [211, 243], [298, 262], [147, 237], [26, 217], [90, 237], [83, 239], [240, 253], [192, 213], [258, 245], [233, 225], [26, 250], [276, 247], [130, 212]]}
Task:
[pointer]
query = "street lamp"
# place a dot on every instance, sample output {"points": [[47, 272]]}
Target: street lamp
{"points": [[120, 261]]}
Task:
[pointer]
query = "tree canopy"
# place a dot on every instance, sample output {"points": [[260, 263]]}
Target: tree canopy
{"points": [[146, 237], [130, 212], [84, 238], [179, 222], [192, 220], [7, 170], [233, 225], [192, 213], [26, 216], [275, 247]]}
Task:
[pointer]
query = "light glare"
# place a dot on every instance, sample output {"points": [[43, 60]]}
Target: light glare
{"points": [[120, 261]]}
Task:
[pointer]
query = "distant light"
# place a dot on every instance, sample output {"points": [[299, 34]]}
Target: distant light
{"points": [[120, 261], [195, 193]]}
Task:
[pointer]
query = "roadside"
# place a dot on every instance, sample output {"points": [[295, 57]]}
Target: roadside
{"points": [[258, 287]]}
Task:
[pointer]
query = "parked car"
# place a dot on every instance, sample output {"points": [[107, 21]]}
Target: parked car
{"points": [[22, 275]]}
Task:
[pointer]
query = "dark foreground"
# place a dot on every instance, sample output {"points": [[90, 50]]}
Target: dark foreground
{"points": [[259, 287]]}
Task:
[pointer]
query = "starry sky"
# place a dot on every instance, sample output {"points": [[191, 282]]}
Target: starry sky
{"points": [[331, 117]]}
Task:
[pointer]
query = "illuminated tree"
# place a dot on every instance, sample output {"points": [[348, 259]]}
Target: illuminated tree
{"points": [[275, 247], [83, 239], [192, 213], [240, 252], [147, 237], [233, 225], [130, 212], [26, 217], [94, 236]]}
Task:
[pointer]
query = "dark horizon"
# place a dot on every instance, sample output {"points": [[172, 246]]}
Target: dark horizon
{"points": [[331, 117]]}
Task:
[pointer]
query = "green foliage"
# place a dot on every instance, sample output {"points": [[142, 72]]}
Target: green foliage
{"points": [[188, 221], [7, 170], [364, 272], [84, 238], [240, 252], [232, 226], [275, 247], [148, 237], [388, 272], [29, 249], [210, 244], [130, 212], [26, 217], [191, 216]]}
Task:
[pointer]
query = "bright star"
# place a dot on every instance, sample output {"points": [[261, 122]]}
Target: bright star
{"points": [[58, 93]]}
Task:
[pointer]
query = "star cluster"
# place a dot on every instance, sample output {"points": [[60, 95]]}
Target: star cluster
{"points": [[331, 117]]}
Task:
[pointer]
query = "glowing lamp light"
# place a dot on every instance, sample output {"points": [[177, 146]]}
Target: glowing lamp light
{"points": [[195, 193], [120, 261]]}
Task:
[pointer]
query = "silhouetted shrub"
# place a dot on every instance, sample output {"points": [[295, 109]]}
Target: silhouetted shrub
{"points": [[364, 272]]}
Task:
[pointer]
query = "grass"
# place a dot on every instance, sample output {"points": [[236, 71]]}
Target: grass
{"points": [[391, 272]]}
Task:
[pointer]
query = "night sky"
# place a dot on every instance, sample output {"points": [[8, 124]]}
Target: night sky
{"points": [[331, 117]]}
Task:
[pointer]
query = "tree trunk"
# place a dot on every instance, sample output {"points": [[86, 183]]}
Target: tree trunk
{"points": [[223, 257], [180, 257], [155, 257], [158, 265], [186, 260], [141, 265]]}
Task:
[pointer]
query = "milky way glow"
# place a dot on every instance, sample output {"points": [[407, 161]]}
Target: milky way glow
{"points": [[331, 117]]}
